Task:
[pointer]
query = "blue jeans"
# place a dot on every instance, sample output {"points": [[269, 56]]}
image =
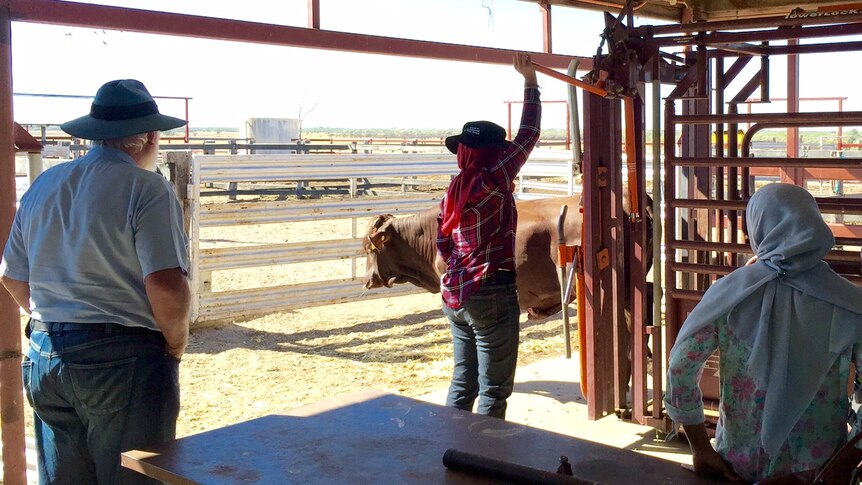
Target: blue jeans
{"points": [[485, 339], [96, 394]]}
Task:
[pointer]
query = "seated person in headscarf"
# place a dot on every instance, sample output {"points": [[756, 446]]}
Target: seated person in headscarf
{"points": [[787, 328]]}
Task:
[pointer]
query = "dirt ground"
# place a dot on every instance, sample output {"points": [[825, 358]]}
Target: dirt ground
{"points": [[256, 367], [241, 370], [246, 368]]}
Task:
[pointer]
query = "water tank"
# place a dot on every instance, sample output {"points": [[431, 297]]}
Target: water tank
{"points": [[272, 130]]}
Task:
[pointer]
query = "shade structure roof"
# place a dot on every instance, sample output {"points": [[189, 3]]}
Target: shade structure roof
{"points": [[708, 10]]}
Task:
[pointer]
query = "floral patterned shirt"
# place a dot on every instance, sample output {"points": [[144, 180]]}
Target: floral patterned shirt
{"points": [[818, 434]]}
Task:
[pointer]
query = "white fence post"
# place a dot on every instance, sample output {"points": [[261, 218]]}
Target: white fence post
{"points": [[194, 195]]}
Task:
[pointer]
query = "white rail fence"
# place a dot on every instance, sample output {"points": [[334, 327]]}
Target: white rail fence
{"points": [[546, 172]]}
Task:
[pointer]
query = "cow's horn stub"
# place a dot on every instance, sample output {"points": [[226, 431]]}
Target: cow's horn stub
{"points": [[378, 240], [380, 220]]}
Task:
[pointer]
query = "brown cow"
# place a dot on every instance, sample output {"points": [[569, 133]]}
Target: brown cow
{"points": [[402, 250]]}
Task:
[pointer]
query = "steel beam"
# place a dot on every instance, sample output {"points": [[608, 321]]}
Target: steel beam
{"points": [[12, 397], [602, 140], [545, 7], [743, 24], [642, 9], [636, 264], [56, 12], [794, 175], [835, 119], [672, 305], [657, 238], [718, 38], [766, 162], [313, 14], [795, 48]]}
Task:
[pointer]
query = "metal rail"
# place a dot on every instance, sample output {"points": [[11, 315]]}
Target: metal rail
{"points": [[209, 305], [233, 214], [257, 301]]}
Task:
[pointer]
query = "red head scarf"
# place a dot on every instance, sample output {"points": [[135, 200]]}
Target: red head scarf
{"points": [[471, 161]]}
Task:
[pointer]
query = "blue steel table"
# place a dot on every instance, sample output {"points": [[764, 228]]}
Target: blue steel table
{"points": [[372, 437]]}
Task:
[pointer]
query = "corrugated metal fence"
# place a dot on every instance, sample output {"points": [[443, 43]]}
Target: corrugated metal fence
{"points": [[549, 172]]}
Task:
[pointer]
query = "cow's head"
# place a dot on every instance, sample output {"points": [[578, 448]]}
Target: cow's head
{"points": [[392, 257]]}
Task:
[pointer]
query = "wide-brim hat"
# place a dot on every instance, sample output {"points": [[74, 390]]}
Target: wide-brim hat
{"points": [[478, 134], [121, 108]]}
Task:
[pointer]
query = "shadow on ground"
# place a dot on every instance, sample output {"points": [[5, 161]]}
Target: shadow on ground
{"points": [[426, 331], [563, 392], [428, 328]]}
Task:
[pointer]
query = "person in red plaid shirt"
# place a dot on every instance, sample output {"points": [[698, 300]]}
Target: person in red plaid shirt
{"points": [[476, 240]]}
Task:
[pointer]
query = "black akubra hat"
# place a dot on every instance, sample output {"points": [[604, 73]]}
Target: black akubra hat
{"points": [[121, 108], [477, 134]]}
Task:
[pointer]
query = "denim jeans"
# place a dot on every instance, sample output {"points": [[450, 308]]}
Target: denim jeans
{"points": [[96, 394], [485, 339]]}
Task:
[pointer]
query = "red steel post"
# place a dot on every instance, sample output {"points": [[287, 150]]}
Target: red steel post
{"points": [[187, 120], [545, 6], [602, 141], [792, 175], [313, 14], [840, 145], [12, 395]]}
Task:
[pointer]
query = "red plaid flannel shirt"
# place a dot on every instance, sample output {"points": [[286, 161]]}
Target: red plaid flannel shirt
{"points": [[485, 240]]}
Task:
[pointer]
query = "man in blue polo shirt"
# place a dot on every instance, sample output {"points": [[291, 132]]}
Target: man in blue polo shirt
{"points": [[98, 257]]}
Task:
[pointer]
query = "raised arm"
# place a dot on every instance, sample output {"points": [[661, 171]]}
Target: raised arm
{"points": [[516, 155]]}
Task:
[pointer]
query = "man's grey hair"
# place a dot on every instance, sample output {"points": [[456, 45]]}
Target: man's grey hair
{"points": [[130, 144]]}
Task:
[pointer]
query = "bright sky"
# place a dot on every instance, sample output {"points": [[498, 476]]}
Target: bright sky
{"points": [[233, 81]]}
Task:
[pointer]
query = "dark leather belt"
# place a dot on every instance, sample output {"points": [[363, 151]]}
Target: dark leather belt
{"points": [[112, 328], [500, 277]]}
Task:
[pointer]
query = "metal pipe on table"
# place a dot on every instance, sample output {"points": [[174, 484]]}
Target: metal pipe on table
{"points": [[465, 462]]}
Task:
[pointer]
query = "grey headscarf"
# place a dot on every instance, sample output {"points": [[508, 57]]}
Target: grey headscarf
{"points": [[795, 313]]}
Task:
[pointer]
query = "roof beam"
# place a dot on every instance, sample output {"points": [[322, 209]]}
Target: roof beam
{"points": [[545, 7], [784, 33], [642, 9], [313, 14], [751, 23], [744, 48], [56, 12], [736, 9]]}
